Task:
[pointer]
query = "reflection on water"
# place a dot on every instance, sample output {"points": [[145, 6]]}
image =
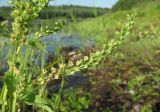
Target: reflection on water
{"points": [[74, 41], [51, 42]]}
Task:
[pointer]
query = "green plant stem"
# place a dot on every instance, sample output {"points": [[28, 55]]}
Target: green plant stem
{"points": [[14, 102], [4, 96], [41, 92], [13, 97], [60, 92]]}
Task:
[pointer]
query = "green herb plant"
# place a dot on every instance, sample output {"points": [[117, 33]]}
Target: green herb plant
{"points": [[25, 84]]}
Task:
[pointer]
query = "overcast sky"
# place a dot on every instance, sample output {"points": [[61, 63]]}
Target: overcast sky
{"points": [[95, 3]]}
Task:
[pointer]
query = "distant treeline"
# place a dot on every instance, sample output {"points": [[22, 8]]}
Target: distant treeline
{"points": [[5, 13], [61, 11], [71, 11]]}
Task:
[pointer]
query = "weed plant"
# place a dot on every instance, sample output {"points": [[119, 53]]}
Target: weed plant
{"points": [[25, 81]]}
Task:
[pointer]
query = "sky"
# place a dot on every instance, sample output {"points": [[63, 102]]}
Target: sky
{"points": [[93, 3]]}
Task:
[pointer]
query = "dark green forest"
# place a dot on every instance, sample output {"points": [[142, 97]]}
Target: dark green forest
{"points": [[67, 12]]}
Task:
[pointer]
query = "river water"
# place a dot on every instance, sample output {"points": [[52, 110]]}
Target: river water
{"points": [[52, 42], [74, 41]]}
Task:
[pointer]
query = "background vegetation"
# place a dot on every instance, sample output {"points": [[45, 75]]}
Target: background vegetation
{"points": [[67, 12]]}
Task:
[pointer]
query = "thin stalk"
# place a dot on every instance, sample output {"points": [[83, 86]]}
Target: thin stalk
{"points": [[14, 102], [60, 91], [13, 97], [4, 97]]}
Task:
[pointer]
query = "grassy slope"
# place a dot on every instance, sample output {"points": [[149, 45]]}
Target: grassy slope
{"points": [[106, 25], [138, 57], [144, 41]]}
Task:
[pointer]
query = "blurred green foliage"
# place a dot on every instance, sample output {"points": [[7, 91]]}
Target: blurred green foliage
{"points": [[128, 4], [67, 12], [71, 11]]}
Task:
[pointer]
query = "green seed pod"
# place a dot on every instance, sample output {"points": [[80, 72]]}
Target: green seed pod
{"points": [[3, 43]]}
